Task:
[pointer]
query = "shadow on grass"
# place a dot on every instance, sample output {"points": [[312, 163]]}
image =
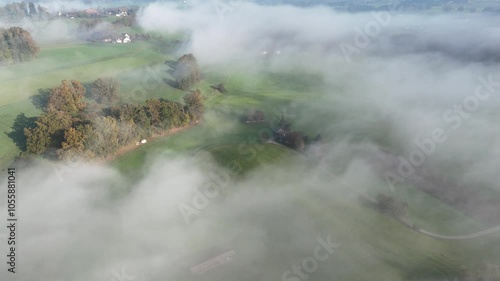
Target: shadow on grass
{"points": [[41, 99], [171, 72], [17, 133], [172, 83], [171, 63]]}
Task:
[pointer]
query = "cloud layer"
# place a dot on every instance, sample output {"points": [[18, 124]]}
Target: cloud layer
{"points": [[378, 106]]}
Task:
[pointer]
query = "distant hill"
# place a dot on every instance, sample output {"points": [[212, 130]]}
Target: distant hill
{"points": [[16, 12]]}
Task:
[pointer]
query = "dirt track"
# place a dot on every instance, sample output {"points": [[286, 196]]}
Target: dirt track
{"points": [[129, 148]]}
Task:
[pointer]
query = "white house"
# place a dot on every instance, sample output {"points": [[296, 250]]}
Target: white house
{"points": [[123, 12], [119, 41], [127, 39]]}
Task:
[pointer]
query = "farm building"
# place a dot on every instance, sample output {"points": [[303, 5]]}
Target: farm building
{"points": [[122, 12], [125, 38], [293, 140], [91, 12]]}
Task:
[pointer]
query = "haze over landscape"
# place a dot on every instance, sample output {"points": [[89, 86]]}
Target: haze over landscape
{"points": [[249, 140]]}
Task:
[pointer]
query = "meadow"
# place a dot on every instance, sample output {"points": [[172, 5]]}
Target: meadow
{"points": [[81, 61], [374, 246]]}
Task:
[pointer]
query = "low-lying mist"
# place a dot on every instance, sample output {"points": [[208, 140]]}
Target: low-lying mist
{"points": [[406, 100], [391, 78]]}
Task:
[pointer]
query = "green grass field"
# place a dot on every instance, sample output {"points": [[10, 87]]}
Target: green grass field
{"points": [[375, 246], [234, 158], [83, 62]]}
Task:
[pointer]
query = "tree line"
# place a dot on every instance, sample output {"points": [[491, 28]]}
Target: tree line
{"points": [[71, 128], [17, 45], [89, 25], [96, 30], [126, 21]]}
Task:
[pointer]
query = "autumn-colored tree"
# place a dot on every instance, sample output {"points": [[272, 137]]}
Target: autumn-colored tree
{"points": [[166, 114], [49, 131], [55, 123], [194, 104], [103, 139], [17, 45], [73, 146], [133, 122], [104, 135], [154, 107], [130, 112], [67, 97], [105, 90], [187, 72], [73, 139], [173, 114], [37, 140]]}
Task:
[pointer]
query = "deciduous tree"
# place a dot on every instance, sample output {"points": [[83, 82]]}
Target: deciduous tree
{"points": [[103, 139], [67, 97], [194, 104], [37, 140], [49, 131], [105, 90], [187, 72], [17, 45]]}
